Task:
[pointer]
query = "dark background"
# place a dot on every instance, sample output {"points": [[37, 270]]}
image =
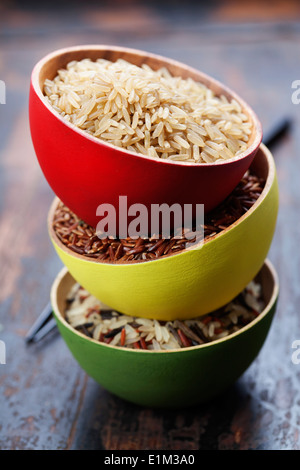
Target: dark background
{"points": [[46, 400]]}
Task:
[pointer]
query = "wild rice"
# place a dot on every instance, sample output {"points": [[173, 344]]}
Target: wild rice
{"points": [[82, 239], [111, 100], [89, 316]]}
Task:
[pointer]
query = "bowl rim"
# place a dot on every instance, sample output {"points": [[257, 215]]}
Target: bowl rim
{"points": [[60, 318], [268, 184], [257, 131]]}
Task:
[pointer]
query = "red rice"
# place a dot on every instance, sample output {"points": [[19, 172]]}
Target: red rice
{"points": [[82, 239]]}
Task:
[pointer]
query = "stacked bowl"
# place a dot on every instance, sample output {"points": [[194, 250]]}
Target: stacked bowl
{"points": [[86, 167]]}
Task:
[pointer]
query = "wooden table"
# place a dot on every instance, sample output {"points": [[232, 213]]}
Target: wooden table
{"points": [[46, 400]]}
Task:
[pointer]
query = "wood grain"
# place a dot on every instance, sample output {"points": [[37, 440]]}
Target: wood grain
{"points": [[46, 401]]}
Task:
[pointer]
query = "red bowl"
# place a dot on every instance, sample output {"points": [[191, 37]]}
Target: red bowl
{"points": [[85, 171]]}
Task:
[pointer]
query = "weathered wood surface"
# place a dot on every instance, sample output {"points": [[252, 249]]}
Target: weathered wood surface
{"points": [[46, 401]]}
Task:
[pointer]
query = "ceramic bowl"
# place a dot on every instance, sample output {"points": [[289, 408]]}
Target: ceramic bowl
{"points": [[194, 281], [85, 172], [176, 378]]}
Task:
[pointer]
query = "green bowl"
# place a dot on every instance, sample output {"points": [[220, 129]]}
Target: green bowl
{"points": [[168, 379]]}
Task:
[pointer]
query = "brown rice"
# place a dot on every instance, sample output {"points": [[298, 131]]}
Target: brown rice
{"points": [[149, 112]]}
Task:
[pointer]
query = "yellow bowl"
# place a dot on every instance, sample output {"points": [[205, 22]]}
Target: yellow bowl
{"points": [[195, 281]]}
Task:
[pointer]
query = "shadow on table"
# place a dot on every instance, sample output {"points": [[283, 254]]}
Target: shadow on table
{"points": [[108, 422]]}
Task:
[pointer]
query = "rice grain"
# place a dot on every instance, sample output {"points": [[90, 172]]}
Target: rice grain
{"points": [[139, 100]]}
